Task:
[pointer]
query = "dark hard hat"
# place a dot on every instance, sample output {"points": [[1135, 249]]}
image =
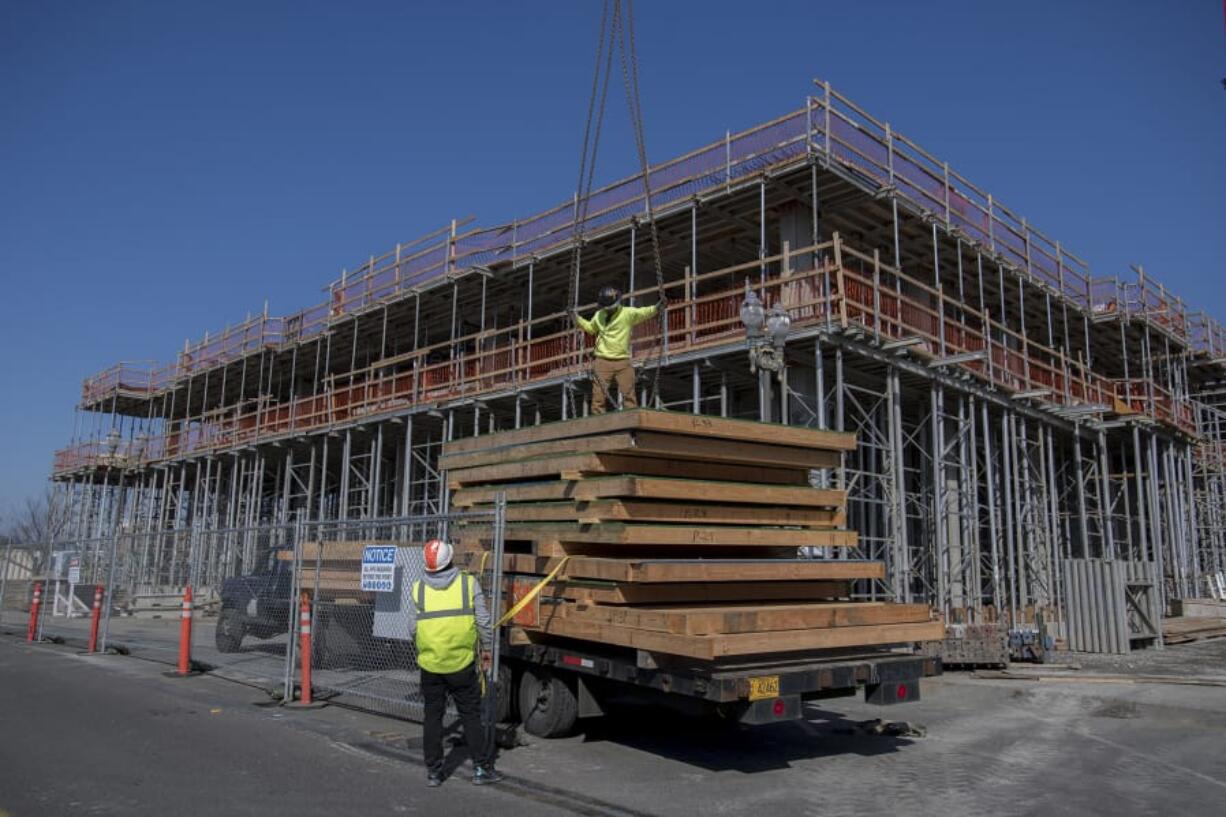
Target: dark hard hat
{"points": [[609, 296]]}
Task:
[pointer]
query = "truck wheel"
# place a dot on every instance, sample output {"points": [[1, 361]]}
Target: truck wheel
{"points": [[230, 630], [547, 704]]}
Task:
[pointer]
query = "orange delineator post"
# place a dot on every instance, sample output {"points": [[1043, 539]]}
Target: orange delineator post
{"points": [[96, 618], [34, 605], [185, 633], [304, 647]]}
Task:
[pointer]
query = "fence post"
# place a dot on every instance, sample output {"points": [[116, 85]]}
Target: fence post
{"points": [[287, 690], [95, 615], [42, 610], [491, 702], [109, 597], [4, 575]]}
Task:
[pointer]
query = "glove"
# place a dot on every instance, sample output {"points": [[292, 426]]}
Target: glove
{"points": [[662, 303]]}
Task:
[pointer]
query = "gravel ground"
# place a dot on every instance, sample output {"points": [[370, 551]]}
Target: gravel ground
{"points": [[1197, 658]]}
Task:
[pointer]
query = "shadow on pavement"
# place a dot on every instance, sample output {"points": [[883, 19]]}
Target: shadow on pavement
{"points": [[717, 746]]}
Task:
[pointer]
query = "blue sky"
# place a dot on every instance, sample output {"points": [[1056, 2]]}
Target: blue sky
{"points": [[166, 167]]}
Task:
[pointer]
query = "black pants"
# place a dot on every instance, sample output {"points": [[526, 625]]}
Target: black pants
{"points": [[465, 688]]}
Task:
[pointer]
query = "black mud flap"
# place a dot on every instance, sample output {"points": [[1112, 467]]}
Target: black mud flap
{"points": [[892, 692], [771, 710]]}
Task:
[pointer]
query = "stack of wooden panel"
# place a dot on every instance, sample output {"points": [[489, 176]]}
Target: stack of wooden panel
{"points": [[680, 535]]}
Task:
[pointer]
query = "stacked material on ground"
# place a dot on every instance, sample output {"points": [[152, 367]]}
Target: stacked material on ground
{"points": [[675, 534], [1185, 629]]}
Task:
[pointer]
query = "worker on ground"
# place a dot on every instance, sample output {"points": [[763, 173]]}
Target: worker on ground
{"points": [[612, 325], [447, 618]]}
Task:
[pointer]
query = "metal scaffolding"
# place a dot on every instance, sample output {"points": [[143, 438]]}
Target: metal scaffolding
{"points": [[1012, 411]]}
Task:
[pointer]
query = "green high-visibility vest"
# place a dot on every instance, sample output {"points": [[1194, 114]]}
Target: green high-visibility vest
{"points": [[446, 625]]}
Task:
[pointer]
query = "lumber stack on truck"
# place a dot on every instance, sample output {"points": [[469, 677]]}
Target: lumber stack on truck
{"points": [[675, 534]]}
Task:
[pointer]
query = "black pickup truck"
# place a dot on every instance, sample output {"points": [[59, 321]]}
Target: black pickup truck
{"points": [[256, 605]]}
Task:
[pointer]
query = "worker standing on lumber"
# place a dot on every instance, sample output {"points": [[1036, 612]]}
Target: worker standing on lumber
{"points": [[612, 325], [447, 618]]}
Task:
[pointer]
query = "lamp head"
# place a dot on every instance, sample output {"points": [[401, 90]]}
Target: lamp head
{"points": [[753, 313], [778, 324]]}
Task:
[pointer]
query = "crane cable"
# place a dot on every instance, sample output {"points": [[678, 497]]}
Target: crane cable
{"points": [[630, 78], [616, 31]]}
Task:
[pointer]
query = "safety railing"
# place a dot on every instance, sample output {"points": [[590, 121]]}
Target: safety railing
{"points": [[837, 284], [136, 378], [1146, 300], [830, 127], [1206, 335], [843, 131], [1147, 397]]}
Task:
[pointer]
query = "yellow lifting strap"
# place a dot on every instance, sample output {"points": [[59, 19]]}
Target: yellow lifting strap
{"points": [[522, 603], [531, 594]]}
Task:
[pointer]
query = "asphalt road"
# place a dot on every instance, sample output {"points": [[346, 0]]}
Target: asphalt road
{"points": [[111, 735]]}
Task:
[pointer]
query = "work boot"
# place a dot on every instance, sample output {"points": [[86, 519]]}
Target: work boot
{"points": [[434, 779], [485, 774]]}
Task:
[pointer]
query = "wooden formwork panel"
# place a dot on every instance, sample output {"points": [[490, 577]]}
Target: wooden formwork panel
{"points": [[579, 466], [689, 570], [694, 425], [624, 510], [711, 647], [754, 617], [653, 488]]}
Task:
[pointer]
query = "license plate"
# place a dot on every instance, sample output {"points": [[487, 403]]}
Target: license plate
{"points": [[767, 686]]}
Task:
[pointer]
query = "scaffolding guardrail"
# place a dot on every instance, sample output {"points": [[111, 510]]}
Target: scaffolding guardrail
{"points": [[830, 126], [848, 287]]}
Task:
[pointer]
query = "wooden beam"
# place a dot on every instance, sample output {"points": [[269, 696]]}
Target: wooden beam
{"points": [[687, 570], [619, 533], [576, 466], [750, 618], [711, 647], [639, 487], [650, 420], [650, 444], [692, 592], [623, 510]]}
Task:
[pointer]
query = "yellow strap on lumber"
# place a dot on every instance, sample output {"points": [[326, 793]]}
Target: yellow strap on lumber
{"points": [[531, 594]]}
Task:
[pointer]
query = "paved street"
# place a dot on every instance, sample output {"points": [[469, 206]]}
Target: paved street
{"points": [[111, 735]]}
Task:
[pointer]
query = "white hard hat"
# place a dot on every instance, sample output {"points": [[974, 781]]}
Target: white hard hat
{"points": [[438, 555]]}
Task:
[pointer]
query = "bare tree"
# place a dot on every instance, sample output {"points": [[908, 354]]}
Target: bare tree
{"points": [[37, 520]]}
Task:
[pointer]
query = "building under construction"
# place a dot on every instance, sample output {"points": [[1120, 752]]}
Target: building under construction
{"points": [[1016, 415]]}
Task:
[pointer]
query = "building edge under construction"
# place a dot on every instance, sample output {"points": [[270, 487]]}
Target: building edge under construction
{"points": [[1016, 416]]}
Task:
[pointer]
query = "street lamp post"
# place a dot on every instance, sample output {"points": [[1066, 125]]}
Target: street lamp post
{"points": [[766, 332]]}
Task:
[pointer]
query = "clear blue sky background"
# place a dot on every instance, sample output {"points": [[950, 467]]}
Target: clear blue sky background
{"points": [[166, 167]]}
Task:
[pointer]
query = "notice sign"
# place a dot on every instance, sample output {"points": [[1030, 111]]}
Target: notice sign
{"points": [[379, 568], [74, 570]]}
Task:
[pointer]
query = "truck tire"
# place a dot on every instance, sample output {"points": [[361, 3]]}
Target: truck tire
{"points": [[548, 706], [231, 627]]}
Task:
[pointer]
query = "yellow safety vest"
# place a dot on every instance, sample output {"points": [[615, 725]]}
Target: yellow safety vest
{"points": [[612, 329], [446, 625]]}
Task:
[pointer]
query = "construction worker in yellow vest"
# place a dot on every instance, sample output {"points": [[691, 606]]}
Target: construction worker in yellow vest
{"points": [[612, 325], [447, 619]]}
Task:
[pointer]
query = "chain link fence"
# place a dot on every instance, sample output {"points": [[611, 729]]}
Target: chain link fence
{"points": [[360, 575], [247, 585]]}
